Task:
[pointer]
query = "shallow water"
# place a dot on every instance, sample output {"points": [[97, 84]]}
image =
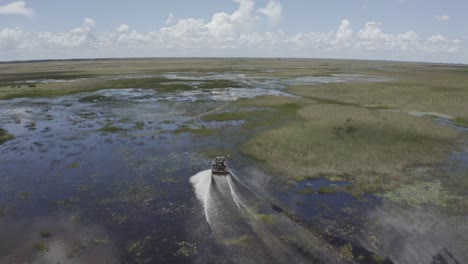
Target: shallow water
{"points": [[130, 196], [246, 225]]}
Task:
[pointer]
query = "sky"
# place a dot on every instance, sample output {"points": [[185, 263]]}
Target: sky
{"points": [[407, 30]]}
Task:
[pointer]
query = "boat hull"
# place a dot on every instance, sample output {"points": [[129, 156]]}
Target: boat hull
{"points": [[219, 169]]}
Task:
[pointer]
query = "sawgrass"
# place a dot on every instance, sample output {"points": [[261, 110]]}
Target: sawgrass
{"points": [[327, 130], [373, 147], [407, 96]]}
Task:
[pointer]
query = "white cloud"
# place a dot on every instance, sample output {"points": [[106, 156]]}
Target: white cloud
{"points": [[273, 11], [234, 34], [345, 31], [372, 38], [11, 39], [170, 19], [16, 8], [89, 23], [75, 38], [123, 28], [224, 25], [442, 18]]}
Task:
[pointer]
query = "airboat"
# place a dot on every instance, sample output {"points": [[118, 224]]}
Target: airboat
{"points": [[219, 166]]}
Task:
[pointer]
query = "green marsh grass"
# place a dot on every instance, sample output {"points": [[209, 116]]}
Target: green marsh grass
{"points": [[197, 131], [374, 152], [299, 137], [41, 248], [5, 136], [460, 122]]}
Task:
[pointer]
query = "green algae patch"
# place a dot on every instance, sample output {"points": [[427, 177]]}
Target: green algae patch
{"points": [[41, 248], [265, 218], [94, 98], [24, 195], [326, 190], [243, 241], [417, 194], [186, 249], [74, 165], [111, 129], [197, 131], [140, 125], [5, 136], [77, 249], [306, 191]]}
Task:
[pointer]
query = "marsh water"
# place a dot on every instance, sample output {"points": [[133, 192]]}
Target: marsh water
{"points": [[110, 177]]}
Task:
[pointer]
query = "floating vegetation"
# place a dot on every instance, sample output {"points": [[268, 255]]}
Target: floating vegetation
{"points": [[346, 251], [94, 98], [30, 126], [41, 248], [5, 136], [266, 218], [140, 125], [137, 190], [82, 188], [326, 190], [170, 179], [118, 218], [420, 193], [24, 195], [68, 203], [306, 191], [77, 248], [137, 248], [74, 165], [101, 241], [198, 131], [243, 241], [186, 249]]}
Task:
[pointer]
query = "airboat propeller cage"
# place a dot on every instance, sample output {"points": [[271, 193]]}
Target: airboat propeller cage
{"points": [[219, 166]]}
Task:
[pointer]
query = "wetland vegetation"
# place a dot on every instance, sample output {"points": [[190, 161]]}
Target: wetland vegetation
{"points": [[333, 159]]}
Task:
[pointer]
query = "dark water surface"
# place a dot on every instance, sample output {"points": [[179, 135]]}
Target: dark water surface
{"points": [[109, 177]]}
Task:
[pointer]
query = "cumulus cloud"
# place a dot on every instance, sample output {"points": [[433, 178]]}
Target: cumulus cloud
{"points": [[345, 31], [442, 18], [89, 23], [122, 28], [234, 33], [11, 39], [273, 11], [230, 25], [16, 8], [170, 19], [75, 38]]}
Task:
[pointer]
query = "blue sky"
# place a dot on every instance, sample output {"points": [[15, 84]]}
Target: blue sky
{"points": [[417, 30]]}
